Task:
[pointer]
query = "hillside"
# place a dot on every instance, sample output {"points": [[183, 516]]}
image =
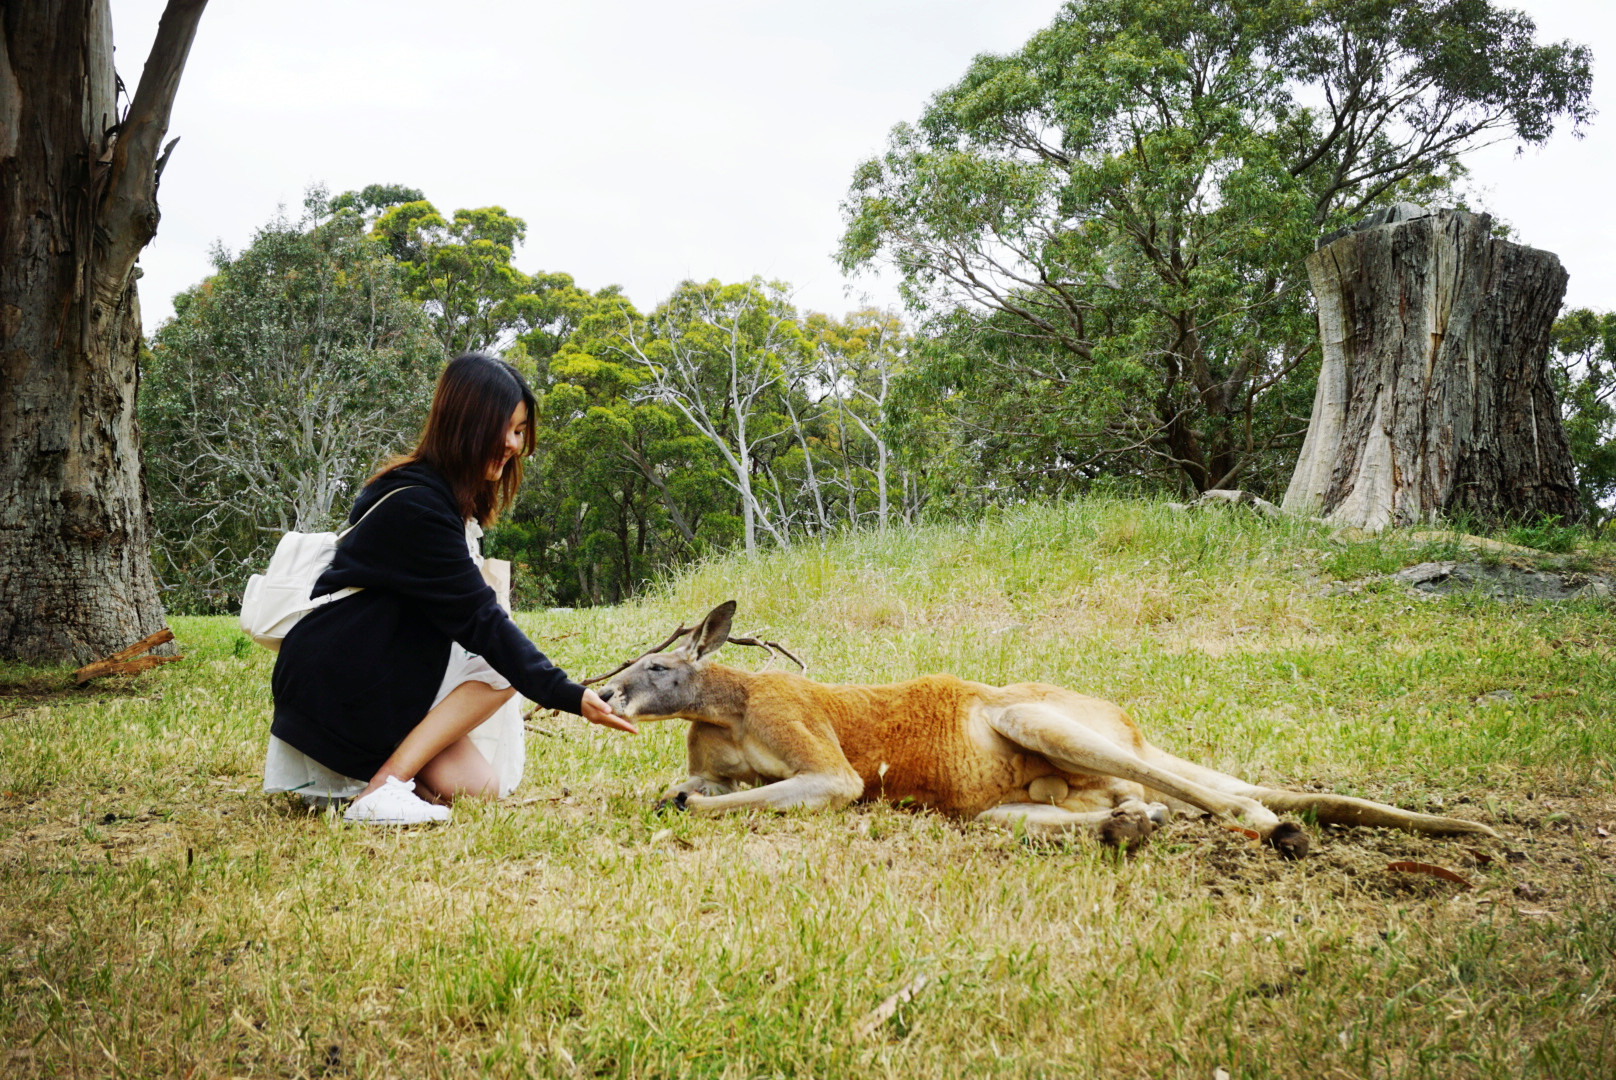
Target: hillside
{"points": [[159, 916]]}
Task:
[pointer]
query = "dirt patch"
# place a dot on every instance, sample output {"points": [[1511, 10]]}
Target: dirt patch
{"points": [[1535, 868]]}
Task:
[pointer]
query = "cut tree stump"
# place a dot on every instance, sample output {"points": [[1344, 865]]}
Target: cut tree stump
{"points": [[1434, 399], [128, 661]]}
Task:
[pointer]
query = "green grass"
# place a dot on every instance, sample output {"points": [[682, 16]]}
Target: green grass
{"points": [[160, 917]]}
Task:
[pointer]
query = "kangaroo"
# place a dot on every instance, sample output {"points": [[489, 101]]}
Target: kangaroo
{"points": [[1033, 756]]}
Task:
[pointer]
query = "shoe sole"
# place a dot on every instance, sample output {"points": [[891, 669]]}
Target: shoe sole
{"points": [[393, 821]]}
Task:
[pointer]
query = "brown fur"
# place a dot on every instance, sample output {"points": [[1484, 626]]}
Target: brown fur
{"points": [[777, 740]]}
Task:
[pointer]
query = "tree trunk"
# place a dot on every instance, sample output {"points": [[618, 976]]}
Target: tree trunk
{"points": [[1434, 397], [78, 202]]}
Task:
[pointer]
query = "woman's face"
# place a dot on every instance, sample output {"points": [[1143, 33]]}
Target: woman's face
{"points": [[515, 439]]}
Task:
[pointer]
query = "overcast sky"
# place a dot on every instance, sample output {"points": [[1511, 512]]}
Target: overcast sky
{"points": [[644, 143]]}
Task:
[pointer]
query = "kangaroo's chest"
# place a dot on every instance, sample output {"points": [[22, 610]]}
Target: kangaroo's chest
{"points": [[738, 756]]}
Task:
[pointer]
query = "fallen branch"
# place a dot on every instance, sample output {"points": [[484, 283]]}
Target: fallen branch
{"points": [[124, 662], [885, 1011], [1435, 871]]}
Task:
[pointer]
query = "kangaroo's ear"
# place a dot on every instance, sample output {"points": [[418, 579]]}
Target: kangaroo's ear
{"points": [[713, 631]]}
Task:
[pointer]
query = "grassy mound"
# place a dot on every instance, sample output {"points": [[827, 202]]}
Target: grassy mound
{"points": [[159, 916]]}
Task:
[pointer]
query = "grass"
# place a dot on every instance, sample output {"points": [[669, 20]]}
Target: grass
{"points": [[160, 917]]}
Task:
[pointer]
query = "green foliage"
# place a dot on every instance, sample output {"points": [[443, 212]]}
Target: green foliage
{"points": [[723, 416], [1112, 221], [277, 387], [1549, 535], [460, 269], [374, 199], [1585, 379]]}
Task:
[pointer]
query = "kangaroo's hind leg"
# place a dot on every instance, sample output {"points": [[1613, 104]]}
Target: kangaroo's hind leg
{"points": [[1329, 809], [1048, 730]]}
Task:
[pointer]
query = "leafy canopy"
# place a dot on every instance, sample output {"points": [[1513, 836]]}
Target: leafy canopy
{"points": [[1118, 213], [278, 386], [460, 269]]}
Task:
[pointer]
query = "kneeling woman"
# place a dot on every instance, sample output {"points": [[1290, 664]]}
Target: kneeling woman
{"points": [[389, 683]]}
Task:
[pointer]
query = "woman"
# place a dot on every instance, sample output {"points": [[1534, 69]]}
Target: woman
{"points": [[388, 683]]}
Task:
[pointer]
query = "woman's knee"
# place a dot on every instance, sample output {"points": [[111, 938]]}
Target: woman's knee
{"points": [[486, 695]]}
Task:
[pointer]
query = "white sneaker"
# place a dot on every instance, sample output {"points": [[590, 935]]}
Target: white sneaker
{"points": [[394, 803]]}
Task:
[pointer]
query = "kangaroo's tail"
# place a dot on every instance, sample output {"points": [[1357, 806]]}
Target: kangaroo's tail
{"points": [[1345, 810]]}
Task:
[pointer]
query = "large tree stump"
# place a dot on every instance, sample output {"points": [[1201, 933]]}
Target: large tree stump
{"points": [[1434, 397]]}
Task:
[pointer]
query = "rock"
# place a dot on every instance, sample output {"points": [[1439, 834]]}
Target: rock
{"points": [[1425, 573], [1493, 697]]}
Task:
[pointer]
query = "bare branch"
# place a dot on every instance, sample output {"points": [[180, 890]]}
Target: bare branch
{"points": [[128, 213]]}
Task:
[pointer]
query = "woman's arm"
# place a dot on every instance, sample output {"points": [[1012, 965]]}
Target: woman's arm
{"points": [[418, 549]]}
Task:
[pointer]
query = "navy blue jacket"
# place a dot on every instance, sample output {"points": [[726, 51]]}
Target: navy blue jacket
{"points": [[355, 676]]}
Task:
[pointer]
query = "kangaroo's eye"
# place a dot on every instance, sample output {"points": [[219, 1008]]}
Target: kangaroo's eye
{"points": [[658, 667]]}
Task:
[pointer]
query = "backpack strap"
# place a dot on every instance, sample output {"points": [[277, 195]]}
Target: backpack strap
{"points": [[372, 510]]}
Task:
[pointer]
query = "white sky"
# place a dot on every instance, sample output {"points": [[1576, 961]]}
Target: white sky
{"points": [[644, 143]]}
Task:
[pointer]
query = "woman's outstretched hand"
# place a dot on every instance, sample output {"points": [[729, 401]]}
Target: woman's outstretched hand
{"points": [[597, 711]]}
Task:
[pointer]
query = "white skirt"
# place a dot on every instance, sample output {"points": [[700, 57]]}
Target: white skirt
{"points": [[499, 740]]}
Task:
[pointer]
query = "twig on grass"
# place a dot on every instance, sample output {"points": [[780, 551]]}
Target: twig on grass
{"points": [[883, 1012], [1442, 872]]}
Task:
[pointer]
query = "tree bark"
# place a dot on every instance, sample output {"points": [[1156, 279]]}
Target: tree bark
{"points": [[1434, 397], [78, 202]]}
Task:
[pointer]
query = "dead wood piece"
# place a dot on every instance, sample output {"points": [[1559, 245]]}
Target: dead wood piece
{"points": [[625, 665], [772, 646], [124, 662], [888, 1008], [1442, 872]]}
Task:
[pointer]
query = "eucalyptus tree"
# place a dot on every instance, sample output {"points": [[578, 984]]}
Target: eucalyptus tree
{"points": [[80, 162], [1117, 213], [280, 384], [460, 269], [371, 201], [856, 362], [622, 487], [718, 355]]}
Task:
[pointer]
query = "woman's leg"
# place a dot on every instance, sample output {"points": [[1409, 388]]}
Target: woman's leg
{"points": [[460, 769], [442, 734]]}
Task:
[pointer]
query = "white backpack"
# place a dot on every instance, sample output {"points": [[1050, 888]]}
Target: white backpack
{"points": [[276, 599]]}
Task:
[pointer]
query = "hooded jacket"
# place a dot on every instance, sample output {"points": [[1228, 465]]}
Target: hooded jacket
{"points": [[357, 675]]}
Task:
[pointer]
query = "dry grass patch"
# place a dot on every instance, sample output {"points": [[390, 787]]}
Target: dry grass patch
{"points": [[159, 917]]}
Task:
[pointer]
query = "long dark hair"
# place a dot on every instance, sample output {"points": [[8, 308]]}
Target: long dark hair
{"points": [[465, 430]]}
